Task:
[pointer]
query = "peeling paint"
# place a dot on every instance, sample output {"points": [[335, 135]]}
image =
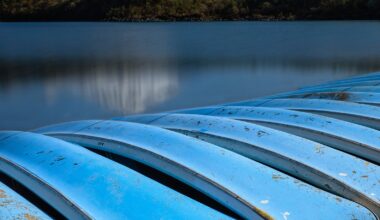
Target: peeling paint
{"points": [[285, 215], [264, 201], [342, 174]]}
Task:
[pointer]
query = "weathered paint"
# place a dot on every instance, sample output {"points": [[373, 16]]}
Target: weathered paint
{"points": [[83, 185], [168, 152], [348, 96], [362, 114], [302, 158], [346, 83], [361, 89], [260, 187], [14, 206], [352, 138]]}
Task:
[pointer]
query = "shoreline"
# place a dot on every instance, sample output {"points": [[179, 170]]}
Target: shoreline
{"points": [[181, 20]]}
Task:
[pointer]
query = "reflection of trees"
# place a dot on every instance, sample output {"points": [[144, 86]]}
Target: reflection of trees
{"points": [[129, 92], [120, 88], [131, 86]]}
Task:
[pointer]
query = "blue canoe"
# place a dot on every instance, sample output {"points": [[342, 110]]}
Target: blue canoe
{"points": [[83, 185], [14, 206]]}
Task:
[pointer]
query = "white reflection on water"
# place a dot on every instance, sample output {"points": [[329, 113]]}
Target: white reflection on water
{"points": [[117, 88]]}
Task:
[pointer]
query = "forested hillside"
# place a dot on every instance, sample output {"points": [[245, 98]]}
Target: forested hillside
{"points": [[154, 10]]}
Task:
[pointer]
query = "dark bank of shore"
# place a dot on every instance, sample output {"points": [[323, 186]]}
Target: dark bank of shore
{"points": [[187, 10]]}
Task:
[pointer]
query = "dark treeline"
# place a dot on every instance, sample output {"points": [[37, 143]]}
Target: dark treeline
{"points": [[156, 10]]}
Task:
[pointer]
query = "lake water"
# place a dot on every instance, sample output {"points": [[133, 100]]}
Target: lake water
{"points": [[55, 72]]}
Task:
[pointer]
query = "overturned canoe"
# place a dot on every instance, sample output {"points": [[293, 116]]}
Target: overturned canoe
{"points": [[348, 111], [79, 183], [358, 97], [352, 138], [14, 206]]}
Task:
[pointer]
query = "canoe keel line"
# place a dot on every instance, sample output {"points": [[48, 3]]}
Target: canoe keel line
{"points": [[286, 156]]}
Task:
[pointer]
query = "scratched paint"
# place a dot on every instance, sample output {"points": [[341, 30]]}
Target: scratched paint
{"points": [[266, 190], [80, 184], [352, 138], [14, 206], [362, 114], [281, 150]]}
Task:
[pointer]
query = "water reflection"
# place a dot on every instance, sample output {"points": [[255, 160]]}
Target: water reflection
{"points": [[60, 92], [56, 72], [40, 93], [119, 88]]}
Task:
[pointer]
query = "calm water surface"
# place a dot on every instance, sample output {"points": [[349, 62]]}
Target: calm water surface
{"points": [[55, 72]]}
